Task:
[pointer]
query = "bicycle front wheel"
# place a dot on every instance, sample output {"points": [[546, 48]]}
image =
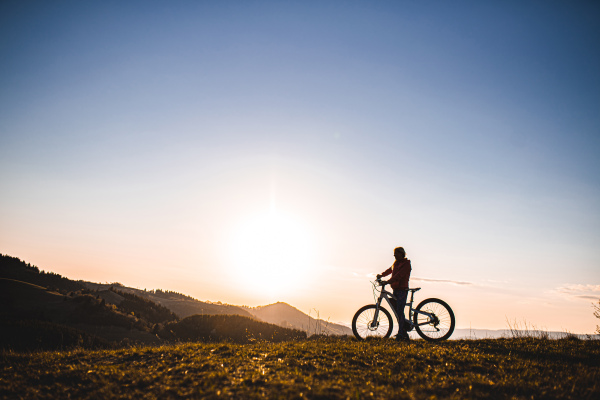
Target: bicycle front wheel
{"points": [[364, 324], [434, 320]]}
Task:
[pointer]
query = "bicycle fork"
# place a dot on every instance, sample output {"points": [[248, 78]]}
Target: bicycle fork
{"points": [[375, 322]]}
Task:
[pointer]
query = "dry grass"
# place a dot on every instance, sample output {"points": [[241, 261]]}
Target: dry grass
{"points": [[323, 368]]}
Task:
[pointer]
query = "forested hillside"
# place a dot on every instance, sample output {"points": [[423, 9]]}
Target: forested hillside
{"points": [[180, 304], [14, 268], [42, 310]]}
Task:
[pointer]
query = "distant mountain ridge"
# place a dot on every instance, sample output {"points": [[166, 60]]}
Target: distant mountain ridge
{"points": [[475, 334], [283, 314]]}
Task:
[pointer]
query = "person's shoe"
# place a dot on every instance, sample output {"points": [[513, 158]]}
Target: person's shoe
{"points": [[402, 337]]}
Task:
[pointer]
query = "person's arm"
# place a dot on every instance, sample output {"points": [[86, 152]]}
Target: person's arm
{"points": [[385, 273]]}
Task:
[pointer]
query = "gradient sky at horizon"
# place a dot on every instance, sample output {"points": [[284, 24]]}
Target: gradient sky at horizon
{"points": [[149, 142]]}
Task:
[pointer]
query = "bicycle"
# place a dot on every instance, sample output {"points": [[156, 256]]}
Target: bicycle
{"points": [[433, 319]]}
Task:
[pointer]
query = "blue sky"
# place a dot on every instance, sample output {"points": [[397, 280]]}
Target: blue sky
{"points": [[135, 137]]}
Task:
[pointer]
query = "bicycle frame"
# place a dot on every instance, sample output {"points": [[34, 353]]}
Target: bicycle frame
{"points": [[389, 296]]}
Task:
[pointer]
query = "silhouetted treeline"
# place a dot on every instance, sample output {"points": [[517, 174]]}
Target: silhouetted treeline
{"points": [[31, 335], [94, 311], [233, 328], [145, 309], [14, 268], [168, 294]]}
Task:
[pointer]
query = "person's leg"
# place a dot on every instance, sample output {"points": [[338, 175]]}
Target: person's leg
{"points": [[401, 296]]}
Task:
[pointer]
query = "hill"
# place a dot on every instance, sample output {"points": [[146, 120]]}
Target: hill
{"points": [[182, 305], [233, 328], [33, 317], [14, 268], [283, 314]]}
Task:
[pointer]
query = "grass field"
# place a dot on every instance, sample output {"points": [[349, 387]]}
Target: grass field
{"points": [[318, 368]]}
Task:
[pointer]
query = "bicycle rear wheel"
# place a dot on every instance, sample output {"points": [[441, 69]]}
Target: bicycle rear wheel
{"points": [[434, 320], [364, 325]]}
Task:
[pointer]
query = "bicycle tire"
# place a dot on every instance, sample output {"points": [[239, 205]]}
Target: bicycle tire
{"points": [[440, 328], [363, 319]]}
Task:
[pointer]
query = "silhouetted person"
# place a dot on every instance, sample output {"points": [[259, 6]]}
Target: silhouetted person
{"points": [[400, 271]]}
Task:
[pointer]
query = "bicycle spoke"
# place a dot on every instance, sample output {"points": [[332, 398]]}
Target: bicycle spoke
{"points": [[364, 324], [435, 320]]}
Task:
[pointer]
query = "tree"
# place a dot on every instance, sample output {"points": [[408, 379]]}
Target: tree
{"points": [[597, 314]]}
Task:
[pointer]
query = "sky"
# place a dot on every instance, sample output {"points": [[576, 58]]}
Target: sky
{"points": [[250, 152]]}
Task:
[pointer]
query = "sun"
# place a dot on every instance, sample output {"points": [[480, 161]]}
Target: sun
{"points": [[271, 254]]}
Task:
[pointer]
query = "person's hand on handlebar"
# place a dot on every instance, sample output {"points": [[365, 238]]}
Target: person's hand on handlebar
{"points": [[381, 283]]}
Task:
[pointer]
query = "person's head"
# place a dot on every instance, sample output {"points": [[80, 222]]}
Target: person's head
{"points": [[399, 253]]}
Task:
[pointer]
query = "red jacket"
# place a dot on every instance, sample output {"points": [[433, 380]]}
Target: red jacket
{"points": [[400, 271]]}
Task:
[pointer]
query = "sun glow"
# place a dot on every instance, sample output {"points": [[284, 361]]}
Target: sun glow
{"points": [[271, 254]]}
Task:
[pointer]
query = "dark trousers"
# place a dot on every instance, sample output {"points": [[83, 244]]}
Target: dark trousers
{"points": [[401, 295]]}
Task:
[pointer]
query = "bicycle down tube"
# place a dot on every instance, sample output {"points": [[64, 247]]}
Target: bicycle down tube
{"points": [[388, 296]]}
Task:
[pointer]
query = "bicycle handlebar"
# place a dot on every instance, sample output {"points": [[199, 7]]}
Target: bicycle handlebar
{"points": [[381, 283]]}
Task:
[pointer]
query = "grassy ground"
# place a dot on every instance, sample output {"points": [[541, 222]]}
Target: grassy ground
{"points": [[324, 368]]}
